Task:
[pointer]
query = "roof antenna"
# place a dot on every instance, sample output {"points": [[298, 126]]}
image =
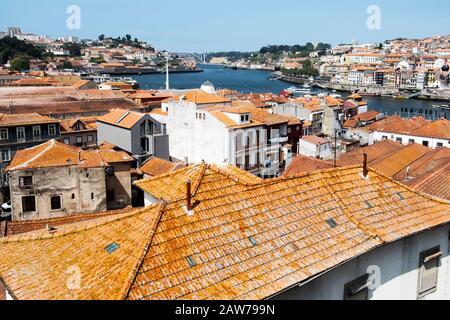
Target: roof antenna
{"points": [[365, 167]]}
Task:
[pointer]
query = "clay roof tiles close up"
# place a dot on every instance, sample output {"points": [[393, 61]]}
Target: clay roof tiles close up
{"points": [[245, 239]]}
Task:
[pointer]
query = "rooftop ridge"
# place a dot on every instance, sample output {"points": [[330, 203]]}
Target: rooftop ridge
{"points": [[123, 294]]}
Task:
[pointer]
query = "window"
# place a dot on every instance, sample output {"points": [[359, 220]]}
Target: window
{"points": [[36, 132], [52, 130], [440, 144], [399, 140], [20, 134], [357, 289], [289, 130], [90, 138], [6, 155], [425, 143], [28, 204], [428, 271], [92, 196], [66, 141], [79, 141], [384, 137], [412, 141], [55, 202], [26, 181], [73, 196], [4, 134]]}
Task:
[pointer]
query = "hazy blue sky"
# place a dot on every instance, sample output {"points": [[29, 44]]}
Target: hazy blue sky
{"points": [[201, 25]]}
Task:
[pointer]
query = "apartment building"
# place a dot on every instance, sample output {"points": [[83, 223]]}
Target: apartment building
{"points": [[247, 239], [433, 134], [134, 132], [55, 180], [21, 131]]}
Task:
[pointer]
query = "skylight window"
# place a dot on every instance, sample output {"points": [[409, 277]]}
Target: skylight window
{"points": [[332, 223], [369, 205], [112, 248], [253, 241], [400, 196], [191, 261]]}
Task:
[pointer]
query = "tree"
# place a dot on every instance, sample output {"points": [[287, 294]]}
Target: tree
{"points": [[74, 49], [67, 65], [101, 37], [20, 63], [12, 47], [128, 37]]}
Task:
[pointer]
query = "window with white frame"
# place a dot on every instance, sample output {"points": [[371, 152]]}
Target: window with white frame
{"points": [[36, 132], [66, 141], [90, 138], [4, 134], [6, 155], [428, 271], [52, 130], [20, 134]]}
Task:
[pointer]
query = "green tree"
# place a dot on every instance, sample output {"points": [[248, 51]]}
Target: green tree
{"points": [[73, 48], [101, 37], [67, 65], [128, 37], [20, 63]]}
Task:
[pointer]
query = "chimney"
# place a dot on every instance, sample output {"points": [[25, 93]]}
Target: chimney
{"points": [[186, 161], [365, 167], [188, 196]]}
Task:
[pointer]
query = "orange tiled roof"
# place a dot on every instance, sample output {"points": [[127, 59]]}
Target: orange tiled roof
{"points": [[397, 124], [374, 152], [56, 154], [315, 140], [437, 129], [301, 165], [10, 120], [202, 97], [435, 183], [122, 118], [243, 241], [156, 166]]}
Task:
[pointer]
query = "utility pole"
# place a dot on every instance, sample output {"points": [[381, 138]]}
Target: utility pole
{"points": [[167, 71], [335, 147]]}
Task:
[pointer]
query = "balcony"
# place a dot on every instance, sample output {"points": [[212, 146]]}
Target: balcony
{"points": [[279, 140]]}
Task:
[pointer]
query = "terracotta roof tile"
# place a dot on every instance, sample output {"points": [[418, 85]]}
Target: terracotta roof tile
{"points": [[156, 166], [9, 120], [122, 118], [285, 217], [436, 183], [374, 152], [301, 164]]}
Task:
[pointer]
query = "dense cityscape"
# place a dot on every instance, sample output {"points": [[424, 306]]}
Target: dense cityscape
{"points": [[130, 172]]}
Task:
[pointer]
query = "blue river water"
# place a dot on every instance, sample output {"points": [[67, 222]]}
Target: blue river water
{"points": [[249, 81]]}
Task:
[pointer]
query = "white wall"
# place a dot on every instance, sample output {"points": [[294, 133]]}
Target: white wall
{"points": [[149, 200], [115, 135], [399, 269], [433, 143]]}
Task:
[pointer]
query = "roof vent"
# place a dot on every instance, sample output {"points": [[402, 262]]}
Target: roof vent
{"points": [[369, 205], [332, 223], [400, 196], [191, 261], [253, 241], [50, 229]]}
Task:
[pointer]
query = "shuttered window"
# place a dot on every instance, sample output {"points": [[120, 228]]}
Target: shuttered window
{"points": [[428, 271]]}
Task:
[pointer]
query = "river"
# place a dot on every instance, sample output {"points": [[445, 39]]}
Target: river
{"points": [[250, 81]]}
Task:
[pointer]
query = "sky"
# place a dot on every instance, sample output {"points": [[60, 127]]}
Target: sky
{"points": [[241, 25]]}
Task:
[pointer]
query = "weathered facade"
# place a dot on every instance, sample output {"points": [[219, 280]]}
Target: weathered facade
{"points": [[55, 180]]}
